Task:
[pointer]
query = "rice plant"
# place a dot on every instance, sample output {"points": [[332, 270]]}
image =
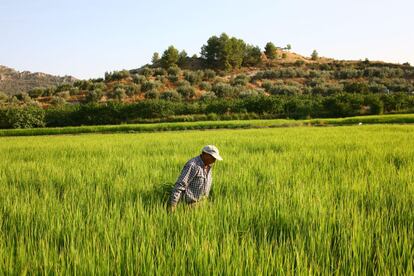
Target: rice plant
{"points": [[301, 200]]}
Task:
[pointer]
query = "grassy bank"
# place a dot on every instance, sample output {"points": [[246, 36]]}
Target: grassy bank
{"points": [[157, 127]]}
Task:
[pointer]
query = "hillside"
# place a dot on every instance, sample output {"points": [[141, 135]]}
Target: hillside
{"points": [[229, 80], [13, 82]]}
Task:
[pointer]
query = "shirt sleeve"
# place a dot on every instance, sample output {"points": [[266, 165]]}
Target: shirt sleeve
{"points": [[183, 180]]}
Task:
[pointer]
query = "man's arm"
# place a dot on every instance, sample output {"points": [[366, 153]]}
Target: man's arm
{"points": [[184, 179]]}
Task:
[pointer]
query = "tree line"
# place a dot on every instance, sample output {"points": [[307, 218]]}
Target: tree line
{"points": [[255, 107]]}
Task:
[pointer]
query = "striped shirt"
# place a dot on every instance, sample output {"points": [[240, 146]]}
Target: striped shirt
{"points": [[193, 184]]}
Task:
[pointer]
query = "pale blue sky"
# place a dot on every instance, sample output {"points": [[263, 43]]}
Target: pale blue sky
{"points": [[86, 38]]}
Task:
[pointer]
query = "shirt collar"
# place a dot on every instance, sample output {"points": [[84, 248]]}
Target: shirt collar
{"points": [[200, 162]]}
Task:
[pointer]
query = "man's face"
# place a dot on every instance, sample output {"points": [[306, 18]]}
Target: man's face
{"points": [[208, 159]]}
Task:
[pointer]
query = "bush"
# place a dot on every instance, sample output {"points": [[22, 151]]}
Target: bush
{"points": [[209, 95], [174, 71], [186, 91], [223, 90], [152, 94], [150, 85], [171, 96], [250, 93], [118, 94], [139, 79], [173, 78], [160, 72], [193, 77], [93, 96], [22, 117], [147, 72], [285, 90], [240, 80], [57, 101], [209, 74], [205, 86], [36, 92]]}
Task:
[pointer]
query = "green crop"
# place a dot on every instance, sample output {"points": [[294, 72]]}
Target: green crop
{"points": [[334, 200]]}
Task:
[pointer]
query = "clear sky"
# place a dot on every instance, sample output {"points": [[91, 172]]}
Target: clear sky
{"points": [[85, 38]]}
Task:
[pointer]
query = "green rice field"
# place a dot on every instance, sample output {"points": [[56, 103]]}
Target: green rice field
{"points": [[298, 200]]}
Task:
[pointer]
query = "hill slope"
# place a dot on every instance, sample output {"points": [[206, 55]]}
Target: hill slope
{"points": [[13, 82]]}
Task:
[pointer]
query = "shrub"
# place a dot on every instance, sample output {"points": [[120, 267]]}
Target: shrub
{"points": [[240, 80], [270, 50], [193, 77], [57, 101], [64, 95], [147, 72], [93, 96], [150, 85], [209, 74], [160, 72], [152, 94], [22, 117], [205, 86], [74, 91], [173, 78], [174, 71], [285, 90], [223, 90], [209, 95], [250, 93], [186, 91], [171, 96], [267, 85], [36, 92], [139, 79], [118, 94]]}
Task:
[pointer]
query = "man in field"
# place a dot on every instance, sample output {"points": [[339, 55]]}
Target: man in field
{"points": [[195, 181]]}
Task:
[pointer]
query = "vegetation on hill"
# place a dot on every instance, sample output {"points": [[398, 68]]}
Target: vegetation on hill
{"points": [[230, 77], [13, 82]]}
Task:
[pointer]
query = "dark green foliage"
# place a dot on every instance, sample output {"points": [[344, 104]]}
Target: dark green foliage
{"points": [[194, 77], [282, 89], [160, 72], [182, 58], [186, 91], [171, 96], [375, 105], [209, 95], [270, 50], [117, 75], [150, 85], [147, 72], [22, 117], [205, 86], [240, 80], [253, 56], [155, 58], [223, 52], [170, 57], [36, 92], [118, 94], [152, 94], [139, 79], [57, 101], [224, 90], [314, 55], [93, 96], [174, 71], [209, 74], [250, 93]]}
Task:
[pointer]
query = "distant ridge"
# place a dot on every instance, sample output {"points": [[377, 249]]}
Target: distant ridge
{"points": [[14, 82]]}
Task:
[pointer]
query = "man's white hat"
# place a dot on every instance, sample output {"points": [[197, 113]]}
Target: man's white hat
{"points": [[213, 151]]}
